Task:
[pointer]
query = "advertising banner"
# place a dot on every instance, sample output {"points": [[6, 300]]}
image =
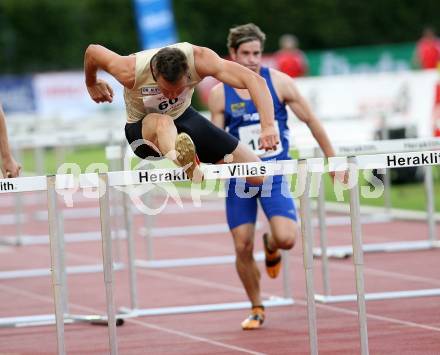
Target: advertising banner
{"points": [[155, 22], [65, 95], [17, 94], [356, 107]]}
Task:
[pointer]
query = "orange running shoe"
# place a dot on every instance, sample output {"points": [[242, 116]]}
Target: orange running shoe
{"points": [[272, 259], [187, 157], [255, 319]]}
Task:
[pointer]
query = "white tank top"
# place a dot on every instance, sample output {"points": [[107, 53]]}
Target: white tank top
{"points": [[145, 97]]}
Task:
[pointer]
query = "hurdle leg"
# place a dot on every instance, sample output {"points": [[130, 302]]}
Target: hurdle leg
{"points": [[54, 235], [62, 259], [358, 255], [113, 155], [18, 211], [307, 243], [130, 250], [323, 239], [104, 208], [430, 209]]}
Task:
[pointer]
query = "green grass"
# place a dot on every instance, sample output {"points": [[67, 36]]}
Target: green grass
{"points": [[407, 196]]}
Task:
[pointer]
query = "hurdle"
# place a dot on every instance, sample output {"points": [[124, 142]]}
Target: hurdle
{"points": [[383, 147], [25, 240], [61, 316], [38, 143], [124, 178], [224, 171], [211, 173], [380, 161]]}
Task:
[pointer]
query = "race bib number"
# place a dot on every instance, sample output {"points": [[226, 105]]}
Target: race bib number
{"points": [[161, 104], [250, 135]]}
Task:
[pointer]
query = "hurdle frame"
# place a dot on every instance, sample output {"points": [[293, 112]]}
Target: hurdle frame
{"points": [[133, 311], [383, 147], [377, 161], [61, 315]]}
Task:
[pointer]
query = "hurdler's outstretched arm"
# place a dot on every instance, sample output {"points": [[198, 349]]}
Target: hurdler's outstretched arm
{"points": [[122, 68], [208, 63]]}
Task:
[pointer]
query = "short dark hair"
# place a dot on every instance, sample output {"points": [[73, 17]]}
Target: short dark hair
{"points": [[245, 33], [169, 63]]}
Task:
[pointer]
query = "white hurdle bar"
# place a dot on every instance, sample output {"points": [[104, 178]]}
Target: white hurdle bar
{"points": [[383, 147]]}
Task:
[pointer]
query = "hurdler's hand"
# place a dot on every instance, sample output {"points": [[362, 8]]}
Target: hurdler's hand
{"points": [[269, 138], [10, 168], [100, 92]]}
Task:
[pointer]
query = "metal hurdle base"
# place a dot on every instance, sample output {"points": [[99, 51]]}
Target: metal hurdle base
{"points": [[49, 319], [271, 302], [208, 260], [346, 251], [376, 296]]}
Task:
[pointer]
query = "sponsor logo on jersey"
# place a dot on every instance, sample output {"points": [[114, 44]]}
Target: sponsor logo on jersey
{"points": [[150, 90], [251, 117], [238, 109]]}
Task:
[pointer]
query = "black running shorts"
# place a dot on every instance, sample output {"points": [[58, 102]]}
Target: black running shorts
{"points": [[212, 143]]}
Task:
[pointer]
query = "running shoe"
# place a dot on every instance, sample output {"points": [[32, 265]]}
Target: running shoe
{"points": [[255, 319], [187, 157]]}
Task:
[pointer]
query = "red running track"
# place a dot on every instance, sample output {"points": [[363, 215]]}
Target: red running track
{"points": [[399, 326]]}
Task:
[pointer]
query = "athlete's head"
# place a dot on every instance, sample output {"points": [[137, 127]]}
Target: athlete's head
{"points": [[169, 67], [246, 44]]}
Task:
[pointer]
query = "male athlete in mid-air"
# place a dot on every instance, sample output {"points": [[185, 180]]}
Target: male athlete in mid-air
{"points": [[158, 87]]}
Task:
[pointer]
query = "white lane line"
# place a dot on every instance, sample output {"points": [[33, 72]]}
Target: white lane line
{"points": [[194, 337], [144, 324], [392, 274], [301, 302], [239, 290], [372, 316]]}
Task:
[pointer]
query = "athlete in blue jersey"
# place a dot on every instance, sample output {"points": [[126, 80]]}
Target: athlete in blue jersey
{"points": [[233, 110]]}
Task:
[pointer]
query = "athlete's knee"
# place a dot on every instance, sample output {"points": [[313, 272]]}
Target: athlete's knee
{"points": [[244, 248], [286, 240]]}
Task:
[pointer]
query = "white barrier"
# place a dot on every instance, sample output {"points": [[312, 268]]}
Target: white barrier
{"points": [[103, 181], [50, 184]]}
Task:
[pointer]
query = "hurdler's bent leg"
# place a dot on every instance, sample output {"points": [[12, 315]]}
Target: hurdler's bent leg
{"points": [[162, 132]]}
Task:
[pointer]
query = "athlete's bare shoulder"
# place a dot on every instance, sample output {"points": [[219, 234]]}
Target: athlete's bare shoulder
{"points": [[279, 78], [284, 85], [206, 61]]}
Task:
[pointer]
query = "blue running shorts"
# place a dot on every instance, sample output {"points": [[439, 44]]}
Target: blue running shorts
{"points": [[274, 195]]}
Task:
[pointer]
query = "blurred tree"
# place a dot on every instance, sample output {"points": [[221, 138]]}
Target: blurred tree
{"points": [[41, 35]]}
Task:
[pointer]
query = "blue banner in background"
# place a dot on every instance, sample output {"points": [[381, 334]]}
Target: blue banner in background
{"points": [[17, 94], [155, 22]]}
